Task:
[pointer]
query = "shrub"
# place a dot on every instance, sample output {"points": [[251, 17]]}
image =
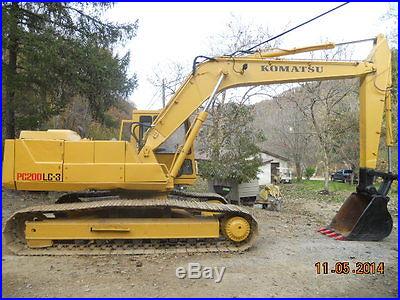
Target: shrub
{"points": [[309, 172]]}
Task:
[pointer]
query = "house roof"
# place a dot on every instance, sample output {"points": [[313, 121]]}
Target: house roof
{"points": [[275, 155]]}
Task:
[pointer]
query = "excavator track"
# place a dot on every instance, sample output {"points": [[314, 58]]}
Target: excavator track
{"points": [[175, 194], [15, 226], [182, 194]]}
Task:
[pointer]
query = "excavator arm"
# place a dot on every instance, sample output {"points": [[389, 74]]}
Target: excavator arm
{"points": [[364, 215], [226, 72]]}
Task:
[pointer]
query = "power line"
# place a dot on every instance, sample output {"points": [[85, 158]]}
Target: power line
{"points": [[289, 30], [153, 99]]}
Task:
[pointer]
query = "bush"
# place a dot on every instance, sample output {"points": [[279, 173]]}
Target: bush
{"points": [[309, 172]]}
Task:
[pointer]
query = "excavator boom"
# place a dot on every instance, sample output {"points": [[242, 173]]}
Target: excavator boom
{"points": [[364, 214]]}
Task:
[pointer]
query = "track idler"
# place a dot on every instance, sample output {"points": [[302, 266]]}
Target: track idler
{"points": [[364, 216]]}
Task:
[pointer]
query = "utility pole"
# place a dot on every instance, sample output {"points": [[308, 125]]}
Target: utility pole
{"points": [[163, 92]]}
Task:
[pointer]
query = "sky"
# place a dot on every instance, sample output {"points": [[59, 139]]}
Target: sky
{"points": [[177, 32]]}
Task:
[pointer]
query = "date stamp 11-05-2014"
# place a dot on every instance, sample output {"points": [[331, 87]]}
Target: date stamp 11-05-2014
{"points": [[346, 267]]}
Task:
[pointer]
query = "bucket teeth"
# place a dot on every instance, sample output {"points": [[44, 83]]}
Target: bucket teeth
{"points": [[331, 233]]}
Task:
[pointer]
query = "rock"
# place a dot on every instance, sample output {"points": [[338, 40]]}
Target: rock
{"points": [[87, 290], [139, 264], [29, 286]]}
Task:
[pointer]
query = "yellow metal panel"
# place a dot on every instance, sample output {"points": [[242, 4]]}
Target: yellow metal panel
{"points": [[79, 152], [109, 151], [51, 134], [292, 51], [183, 179], [112, 228], [49, 151], [39, 243], [8, 165], [82, 186], [98, 173], [131, 153], [38, 161], [373, 89], [145, 172]]}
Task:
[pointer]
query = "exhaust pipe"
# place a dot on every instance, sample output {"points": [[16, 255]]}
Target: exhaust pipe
{"points": [[364, 215]]}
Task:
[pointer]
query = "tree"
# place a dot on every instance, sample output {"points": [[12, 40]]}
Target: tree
{"points": [[55, 52], [392, 15], [320, 103], [77, 117], [241, 35], [230, 142], [170, 76], [309, 172], [287, 129]]}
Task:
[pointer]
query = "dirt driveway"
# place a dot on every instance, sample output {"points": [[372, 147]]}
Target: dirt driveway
{"points": [[280, 265]]}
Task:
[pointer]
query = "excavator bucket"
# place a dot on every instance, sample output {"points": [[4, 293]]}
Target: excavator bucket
{"points": [[361, 218], [364, 216]]}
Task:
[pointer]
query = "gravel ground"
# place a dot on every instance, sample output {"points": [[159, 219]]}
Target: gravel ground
{"points": [[281, 264]]}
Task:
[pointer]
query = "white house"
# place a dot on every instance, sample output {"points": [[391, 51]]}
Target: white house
{"points": [[247, 192], [271, 164]]}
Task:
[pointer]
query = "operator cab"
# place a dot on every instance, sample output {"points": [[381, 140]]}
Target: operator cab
{"points": [[141, 122]]}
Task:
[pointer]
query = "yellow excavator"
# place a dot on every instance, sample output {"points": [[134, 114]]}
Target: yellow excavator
{"points": [[136, 208]]}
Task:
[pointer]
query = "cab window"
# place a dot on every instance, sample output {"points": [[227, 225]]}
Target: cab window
{"points": [[174, 141]]}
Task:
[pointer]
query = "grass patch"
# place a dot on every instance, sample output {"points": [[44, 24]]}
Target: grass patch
{"points": [[318, 185], [338, 191], [309, 190]]}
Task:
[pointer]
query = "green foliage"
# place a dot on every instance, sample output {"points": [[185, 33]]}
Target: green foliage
{"points": [[338, 191], [309, 172], [97, 131], [231, 145], [62, 50], [318, 185], [310, 189]]}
